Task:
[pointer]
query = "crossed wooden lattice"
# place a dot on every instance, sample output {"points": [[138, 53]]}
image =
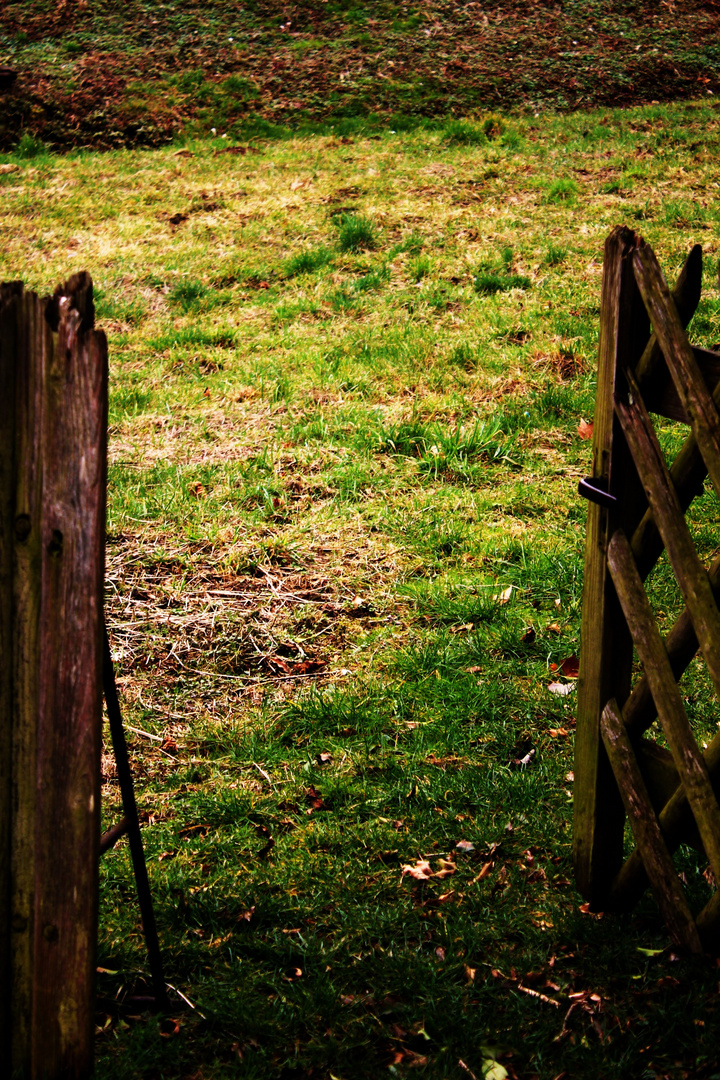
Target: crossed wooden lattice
{"points": [[637, 510]]}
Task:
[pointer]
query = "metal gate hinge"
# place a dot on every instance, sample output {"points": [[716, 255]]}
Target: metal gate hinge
{"points": [[594, 489]]}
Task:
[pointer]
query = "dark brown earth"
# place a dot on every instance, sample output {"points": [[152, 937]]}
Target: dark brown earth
{"points": [[94, 73]]}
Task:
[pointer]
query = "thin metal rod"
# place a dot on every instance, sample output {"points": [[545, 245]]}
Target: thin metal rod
{"points": [[133, 826], [110, 838]]}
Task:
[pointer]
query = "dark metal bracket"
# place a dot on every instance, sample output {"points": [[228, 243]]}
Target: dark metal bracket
{"points": [[594, 489]]}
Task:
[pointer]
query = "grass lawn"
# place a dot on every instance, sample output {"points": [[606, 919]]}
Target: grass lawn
{"points": [[344, 565]]}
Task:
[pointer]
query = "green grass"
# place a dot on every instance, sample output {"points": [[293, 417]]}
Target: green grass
{"points": [[356, 234], [307, 261], [344, 554]]}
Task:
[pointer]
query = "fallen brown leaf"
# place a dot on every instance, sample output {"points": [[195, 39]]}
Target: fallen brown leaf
{"points": [[570, 667], [315, 800], [421, 871], [585, 909], [169, 1027], [560, 689], [585, 429], [484, 871], [524, 761]]}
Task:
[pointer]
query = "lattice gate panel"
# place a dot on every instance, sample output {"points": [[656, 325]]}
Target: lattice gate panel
{"points": [[637, 505]]}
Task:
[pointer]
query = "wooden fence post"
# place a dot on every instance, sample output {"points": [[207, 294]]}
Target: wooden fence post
{"points": [[53, 424], [606, 654]]}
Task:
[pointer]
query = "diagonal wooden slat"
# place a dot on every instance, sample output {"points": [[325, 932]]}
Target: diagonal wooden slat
{"points": [[688, 472], [689, 383], [708, 923], [688, 760], [681, 645], [656, 859], [661, 396], [674, 820], [662, 497], [686, 296]]}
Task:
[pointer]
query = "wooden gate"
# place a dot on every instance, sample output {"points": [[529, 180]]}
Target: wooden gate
{"points": [[637, 504]]}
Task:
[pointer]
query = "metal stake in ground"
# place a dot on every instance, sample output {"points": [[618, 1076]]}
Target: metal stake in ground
{"points": [[132, 827]]}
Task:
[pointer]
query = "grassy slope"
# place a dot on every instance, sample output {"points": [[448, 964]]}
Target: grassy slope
{"points": [[327, 467], [140, 71]]}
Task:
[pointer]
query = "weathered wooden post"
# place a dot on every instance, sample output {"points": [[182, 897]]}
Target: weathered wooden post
{"points": [[606, 644], [53, 424]]}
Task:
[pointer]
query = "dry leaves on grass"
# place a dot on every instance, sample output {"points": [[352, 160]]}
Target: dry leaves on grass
{"points": [[422, 870], [524, 761], [277, 664], [560, 689], [504, 596], [465, 846], [570, 667]]}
